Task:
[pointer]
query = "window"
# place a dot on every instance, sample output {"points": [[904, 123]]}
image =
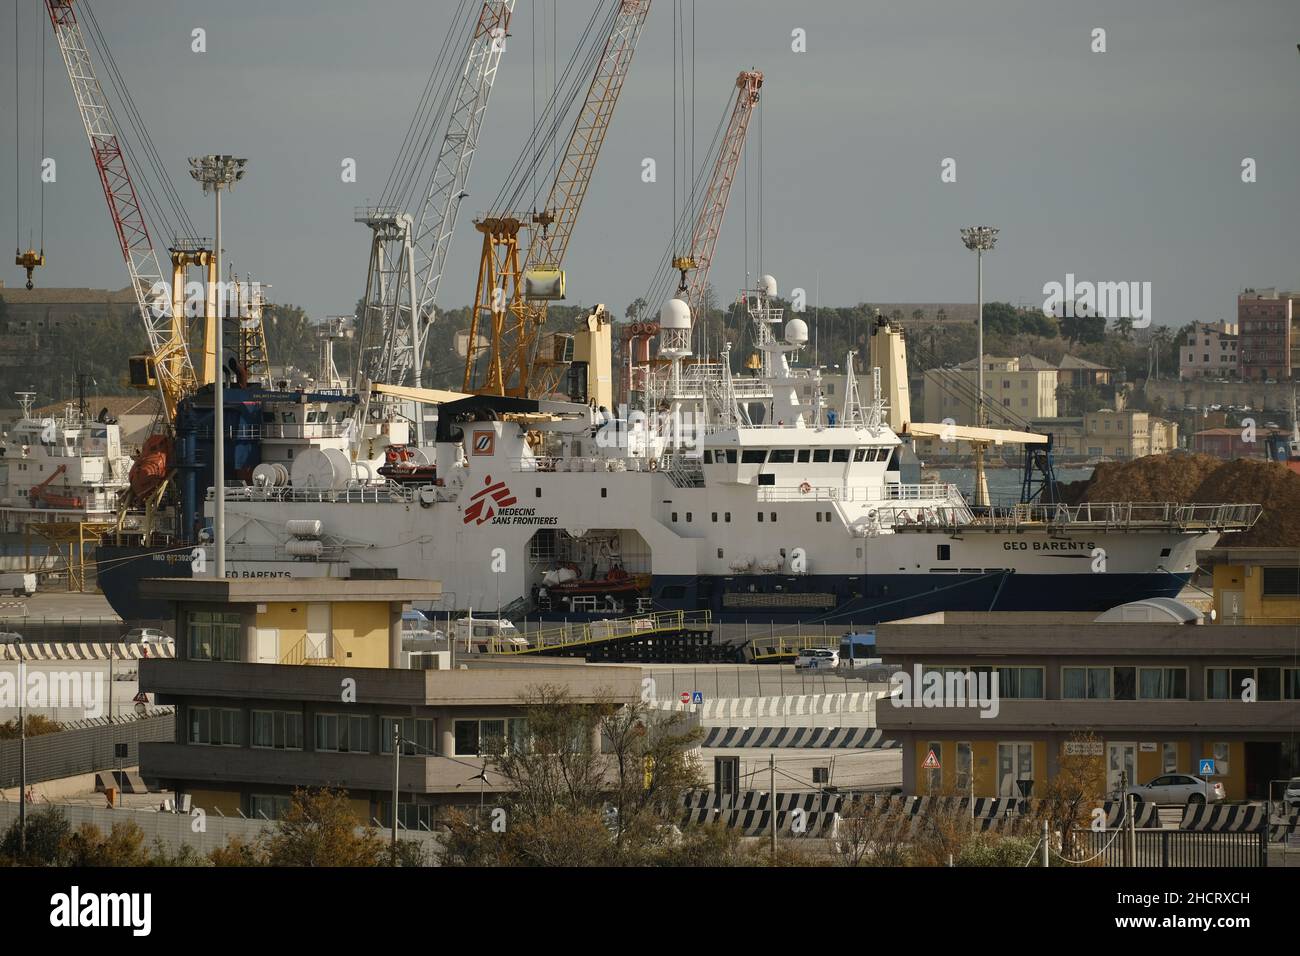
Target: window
{"points": [[840, 455], [1281, 582], [821, 455], [1291, 683], [803, 455], [943, 552], [674, 517], [688, 517], [417, 735], [277, 730], [731, 456], [214, 726], [781, 456], [726, 517], [708, 457], [1015, 762], [604, 492], [267, 806], [753, 456], [760, 517], [1085, 683], [772, 515], [1125, 681], [1162, 683], [213, 636], [819, 516], [343, 733], [859, 454], [963, 767], [1022, 683], [477, 737], [715, 517], [1226, 683], [1169, 758]]}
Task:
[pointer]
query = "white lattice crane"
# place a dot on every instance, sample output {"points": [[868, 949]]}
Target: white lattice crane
{"points": [[408, 252], [167, 366]]}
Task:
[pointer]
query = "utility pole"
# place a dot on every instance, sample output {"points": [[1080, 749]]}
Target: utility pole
{"points": [[22, 752], [1047, 856], [397, 762], [216, 173]]}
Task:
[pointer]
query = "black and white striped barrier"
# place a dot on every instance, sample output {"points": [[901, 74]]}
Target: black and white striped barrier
{"points": [[1146, 815], [1224, 818], [857, 738], [807, 800], [100, 651], [1283, 827]]}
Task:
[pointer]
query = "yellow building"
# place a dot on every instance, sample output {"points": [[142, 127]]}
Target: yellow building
{"points": [[1254, 585]]}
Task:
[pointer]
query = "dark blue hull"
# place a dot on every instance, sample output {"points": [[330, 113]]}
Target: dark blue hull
{"points": [[805, 599]]}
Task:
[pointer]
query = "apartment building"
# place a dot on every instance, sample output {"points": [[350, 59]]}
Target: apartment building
{"points": [[1159, 697], [1210, 350], [1269, 337]]}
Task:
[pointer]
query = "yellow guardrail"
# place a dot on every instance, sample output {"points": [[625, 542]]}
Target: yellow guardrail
{"points": [[596, 632], [790, 645]]}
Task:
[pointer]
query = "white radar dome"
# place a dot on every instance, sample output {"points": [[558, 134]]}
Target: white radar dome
{"points": [[767, 284], [796, 332], [675, 314]]}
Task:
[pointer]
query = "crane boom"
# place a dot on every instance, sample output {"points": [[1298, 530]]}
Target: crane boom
{"points": [[709, 224], [408, 253], [169, 359], [512, 367]]}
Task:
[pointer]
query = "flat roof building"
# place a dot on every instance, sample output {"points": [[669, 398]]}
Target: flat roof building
{"points": [[1157, 697]]}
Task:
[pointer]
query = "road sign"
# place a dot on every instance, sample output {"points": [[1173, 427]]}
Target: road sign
{"points": [[931, 762], [140, 698], [1206, 768], [697, 697], [686, 697]]}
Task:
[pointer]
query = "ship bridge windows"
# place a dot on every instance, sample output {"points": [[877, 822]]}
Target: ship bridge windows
{"points": [[708, 457], [753, 456], [840, 455], [821, 455], [860, 454], [803, 456], [781, 456]]}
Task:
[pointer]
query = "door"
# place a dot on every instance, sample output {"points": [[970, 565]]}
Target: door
{"points": [[318, 631], [266, 642], [1121, 766], [1233, 606], [1015, 762]]}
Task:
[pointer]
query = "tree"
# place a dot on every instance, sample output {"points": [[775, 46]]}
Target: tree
{"points": [[320, 829], [37, 724], [1083, 328], [634, 310], [1079, 786], [47, 832], [123, 846], [1123, 326]]}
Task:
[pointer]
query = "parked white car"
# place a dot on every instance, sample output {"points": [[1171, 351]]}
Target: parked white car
{"points": [[1292, 795], [1178, 789], [146, 635], [816, 659]]}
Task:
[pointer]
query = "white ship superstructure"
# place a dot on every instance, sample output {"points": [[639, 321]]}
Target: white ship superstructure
{"points": [[61, 468]]}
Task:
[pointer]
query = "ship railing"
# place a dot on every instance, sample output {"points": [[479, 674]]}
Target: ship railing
{"points": [[389, 492], [1098, 516], [306, 430], [531, 463], [928, 491]]}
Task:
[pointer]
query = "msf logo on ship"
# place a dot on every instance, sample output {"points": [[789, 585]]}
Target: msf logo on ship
{"points": [[485, 502]]}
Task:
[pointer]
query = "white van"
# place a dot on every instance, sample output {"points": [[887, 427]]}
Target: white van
{"points": [[816, 659]]}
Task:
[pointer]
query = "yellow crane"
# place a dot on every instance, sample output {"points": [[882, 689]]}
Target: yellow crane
{"points": [[510, 298]]}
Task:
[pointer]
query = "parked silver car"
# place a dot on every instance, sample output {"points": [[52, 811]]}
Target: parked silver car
{"points": [[1291, 797], [1178, 789]]}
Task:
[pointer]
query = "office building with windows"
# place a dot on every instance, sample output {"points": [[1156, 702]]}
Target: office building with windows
{"points": [[1155, 698], [287, 683]]}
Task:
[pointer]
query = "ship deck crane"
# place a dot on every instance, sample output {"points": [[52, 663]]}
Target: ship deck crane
{"points": [[167, 365], [408, 253], [513, 366]]}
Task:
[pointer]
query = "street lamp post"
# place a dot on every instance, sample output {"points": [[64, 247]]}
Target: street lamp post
{"points": [[215, 173], [979, 239]]}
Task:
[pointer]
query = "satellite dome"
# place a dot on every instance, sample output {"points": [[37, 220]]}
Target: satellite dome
{"points": [[675, 314], [796, 332], [767, 284]]}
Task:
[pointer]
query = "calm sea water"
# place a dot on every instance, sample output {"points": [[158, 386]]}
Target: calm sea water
{"points": [[1004, 483]]}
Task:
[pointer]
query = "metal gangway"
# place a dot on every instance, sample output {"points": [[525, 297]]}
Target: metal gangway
{"points": [[566, 637]]}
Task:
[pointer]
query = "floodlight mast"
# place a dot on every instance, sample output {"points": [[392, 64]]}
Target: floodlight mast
{"points": [[216, 173], [979, 239]]}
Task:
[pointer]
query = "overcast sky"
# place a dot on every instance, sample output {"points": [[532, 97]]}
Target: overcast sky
{"points": [[1123, 165]]}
